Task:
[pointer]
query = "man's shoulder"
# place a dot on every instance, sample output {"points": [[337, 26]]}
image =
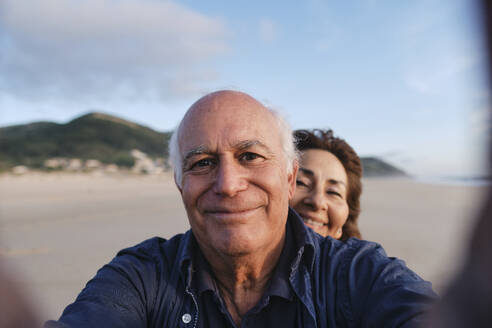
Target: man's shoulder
{"points": [[156, 249], [363, 259], [349, 248], [358, 255], [333, 254], [372, 287]]}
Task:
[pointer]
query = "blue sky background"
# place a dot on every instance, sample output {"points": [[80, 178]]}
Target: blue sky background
{"points": [[403, 80]]}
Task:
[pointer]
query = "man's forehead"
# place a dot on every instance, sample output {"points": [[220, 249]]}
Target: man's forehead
{"points": [[226, 134], [229, 118], [226, 137]]}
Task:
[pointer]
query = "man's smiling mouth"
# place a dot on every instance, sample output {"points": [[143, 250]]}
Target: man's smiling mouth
{"points": [[231, 214]]}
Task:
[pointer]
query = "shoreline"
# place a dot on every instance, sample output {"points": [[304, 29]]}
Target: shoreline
{"points": [[428, 180]]}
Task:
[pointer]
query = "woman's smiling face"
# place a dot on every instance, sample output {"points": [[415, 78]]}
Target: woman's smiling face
{"points": [[321, 193]]}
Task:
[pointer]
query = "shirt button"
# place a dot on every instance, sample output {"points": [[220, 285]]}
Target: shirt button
{"points": [[186, 318]]}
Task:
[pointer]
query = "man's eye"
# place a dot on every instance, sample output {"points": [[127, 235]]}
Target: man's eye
{"points": [[249, 156], [206, 162]]}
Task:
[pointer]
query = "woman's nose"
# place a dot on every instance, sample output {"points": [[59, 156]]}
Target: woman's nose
{"points": [[317, 200]]}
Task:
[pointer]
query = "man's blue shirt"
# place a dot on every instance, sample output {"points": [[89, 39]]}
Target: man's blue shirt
{"points": [[329, 284]]}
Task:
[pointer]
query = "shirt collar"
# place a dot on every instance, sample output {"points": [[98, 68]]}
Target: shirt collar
{"points": [[305, 244], [203, 274], [279, 284], [185, 252]]}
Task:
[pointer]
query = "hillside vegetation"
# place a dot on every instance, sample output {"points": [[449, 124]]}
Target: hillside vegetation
{"points": [[106, 138]]}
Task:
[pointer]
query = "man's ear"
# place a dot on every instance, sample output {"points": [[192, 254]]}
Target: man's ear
{"points": [[292, 177], [177, 184]]}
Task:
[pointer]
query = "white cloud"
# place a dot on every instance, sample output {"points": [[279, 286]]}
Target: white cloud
{"points": [[103, 48], [267, 30]]}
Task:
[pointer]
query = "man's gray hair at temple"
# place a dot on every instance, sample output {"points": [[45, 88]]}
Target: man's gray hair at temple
{"points": [[285, 135]]}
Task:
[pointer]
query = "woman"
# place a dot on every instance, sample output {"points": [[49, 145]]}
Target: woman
{"points": [[328, 184]]}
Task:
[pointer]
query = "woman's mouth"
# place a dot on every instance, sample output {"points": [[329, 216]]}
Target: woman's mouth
{"points": [[314, 223]]}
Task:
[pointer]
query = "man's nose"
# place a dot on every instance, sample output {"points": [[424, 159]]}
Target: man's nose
{"points": [[229, 179]]}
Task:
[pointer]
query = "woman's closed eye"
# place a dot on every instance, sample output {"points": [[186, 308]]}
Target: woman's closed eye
{"points": [[301, 183], [334, 193]]}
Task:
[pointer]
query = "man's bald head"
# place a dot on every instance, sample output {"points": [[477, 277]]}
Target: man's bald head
{"points": [[225, 100], [219, 102]]}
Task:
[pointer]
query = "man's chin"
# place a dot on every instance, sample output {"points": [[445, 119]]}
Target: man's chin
{"points": [[233, 251], [238, 242], [236, 252]]}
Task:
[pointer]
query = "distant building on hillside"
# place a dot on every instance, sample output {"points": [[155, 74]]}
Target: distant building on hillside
{"points": [[93, 164], [55, 163], [145, 164], [111, 168], [142, 164], [20, 169]]}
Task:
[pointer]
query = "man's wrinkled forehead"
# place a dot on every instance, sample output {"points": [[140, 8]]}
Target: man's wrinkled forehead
{"points": [[237, 116], [224, 103]]}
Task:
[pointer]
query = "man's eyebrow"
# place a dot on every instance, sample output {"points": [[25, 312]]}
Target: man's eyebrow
{"points": [[331, 181], [193, 152], [245, 144]]}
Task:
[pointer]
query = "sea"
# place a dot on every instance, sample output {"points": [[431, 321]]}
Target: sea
{"points": [[459, 181]]}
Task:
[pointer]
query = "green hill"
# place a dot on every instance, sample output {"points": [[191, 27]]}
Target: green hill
{"points": [[374, 167], [93, 136]]}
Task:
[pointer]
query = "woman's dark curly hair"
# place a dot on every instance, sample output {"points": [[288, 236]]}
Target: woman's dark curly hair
{"points": [[324, 139]]}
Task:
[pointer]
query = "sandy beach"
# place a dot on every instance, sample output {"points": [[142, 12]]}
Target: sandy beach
{"points": [[56, 230]]}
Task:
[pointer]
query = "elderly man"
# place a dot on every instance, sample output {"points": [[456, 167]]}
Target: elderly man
{"points": [[248, 261]]}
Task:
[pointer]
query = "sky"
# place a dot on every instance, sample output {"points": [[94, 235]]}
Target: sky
{"points": [[401, 80]]}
